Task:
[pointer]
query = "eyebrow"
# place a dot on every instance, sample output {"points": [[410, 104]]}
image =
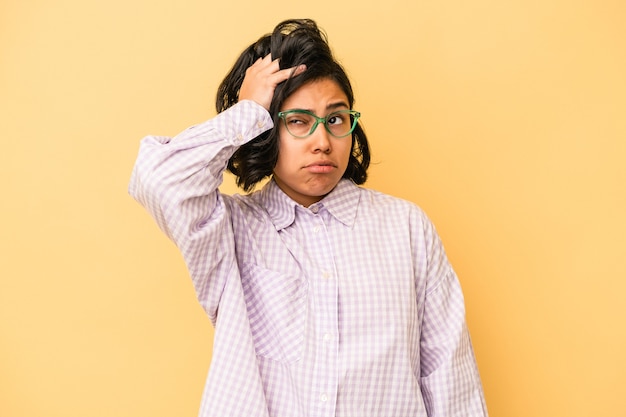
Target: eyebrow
{"points": [[333, 106], [329, 108]]}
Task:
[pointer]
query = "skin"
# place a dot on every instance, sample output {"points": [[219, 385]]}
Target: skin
{"points": [[307, 169]]}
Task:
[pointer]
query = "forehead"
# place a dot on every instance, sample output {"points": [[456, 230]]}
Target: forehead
{"points": [[317, 95]]}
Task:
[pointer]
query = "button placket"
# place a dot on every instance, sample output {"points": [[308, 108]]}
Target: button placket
{"points": [[319, 247]]}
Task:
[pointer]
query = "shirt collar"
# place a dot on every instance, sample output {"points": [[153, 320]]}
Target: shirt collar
{"points": [[342, 203]]}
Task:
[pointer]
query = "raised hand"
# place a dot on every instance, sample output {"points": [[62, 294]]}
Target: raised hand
{"points": [[261, 80]]}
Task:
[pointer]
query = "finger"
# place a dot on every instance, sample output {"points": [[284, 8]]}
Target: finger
{"points": [[285, 74], [267, 61], [298, 70], [263, 68], [260, 64]]}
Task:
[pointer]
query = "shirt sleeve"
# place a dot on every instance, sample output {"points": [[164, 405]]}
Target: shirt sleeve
{"points": [[177, 179], [449, 378]]}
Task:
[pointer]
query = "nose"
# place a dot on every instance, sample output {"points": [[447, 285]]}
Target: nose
{"points": [[321, 140]]}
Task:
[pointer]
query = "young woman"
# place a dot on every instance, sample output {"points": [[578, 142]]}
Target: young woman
{"points": [[328, 299]]}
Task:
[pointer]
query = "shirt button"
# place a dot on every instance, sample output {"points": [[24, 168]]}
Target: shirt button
{"points": [[327, 337], [239, 138], [325, 274], [315, 209], [323, 398], [260, 124], [316, 229]]}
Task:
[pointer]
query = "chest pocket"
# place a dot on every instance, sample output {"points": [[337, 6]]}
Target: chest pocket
{"points": [[277, 308]]}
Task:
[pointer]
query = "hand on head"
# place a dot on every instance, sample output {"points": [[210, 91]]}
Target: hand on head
{"points": [[261, 80]]}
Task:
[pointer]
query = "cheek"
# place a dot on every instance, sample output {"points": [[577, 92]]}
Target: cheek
{"points": [[287, 154], [347, 151]]}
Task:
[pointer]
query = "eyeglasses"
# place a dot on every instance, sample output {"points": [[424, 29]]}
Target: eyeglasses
{"points": [[302, 123]]}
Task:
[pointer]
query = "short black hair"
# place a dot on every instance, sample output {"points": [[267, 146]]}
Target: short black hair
{"points": [[295, 42]]}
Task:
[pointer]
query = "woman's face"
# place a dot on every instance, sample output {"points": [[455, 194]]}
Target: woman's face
{"points": [[309, 168]]}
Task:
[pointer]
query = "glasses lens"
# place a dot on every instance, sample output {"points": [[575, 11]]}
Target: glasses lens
{"points": [[339, 123], [299, 124]]}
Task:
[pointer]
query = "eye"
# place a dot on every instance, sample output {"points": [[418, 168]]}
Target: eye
{"points": [[298, 120], [337, 118]]}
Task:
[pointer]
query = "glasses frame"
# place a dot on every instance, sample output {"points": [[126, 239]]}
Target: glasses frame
{"points": [[323, 120]]}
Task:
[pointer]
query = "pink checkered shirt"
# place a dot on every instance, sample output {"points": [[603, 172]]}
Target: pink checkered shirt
{"points": [[348, 307]]}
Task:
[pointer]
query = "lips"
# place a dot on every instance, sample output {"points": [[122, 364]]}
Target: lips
{"points": [[321, 163], [321, 167]]}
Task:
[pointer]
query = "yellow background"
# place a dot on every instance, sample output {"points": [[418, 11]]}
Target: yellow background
{"points": [[504, 120]]}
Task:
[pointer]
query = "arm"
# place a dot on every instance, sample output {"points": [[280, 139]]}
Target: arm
{"points": [[449, 380], [177, 181]]}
